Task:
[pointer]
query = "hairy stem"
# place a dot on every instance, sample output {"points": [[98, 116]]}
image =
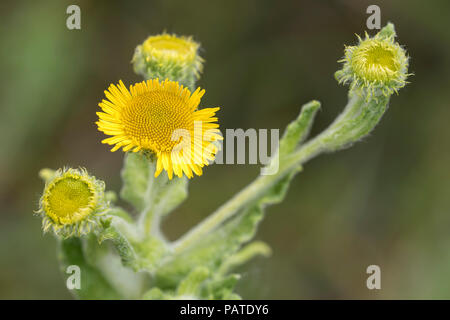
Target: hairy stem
{"points": [[248, 195], [357, 119]]}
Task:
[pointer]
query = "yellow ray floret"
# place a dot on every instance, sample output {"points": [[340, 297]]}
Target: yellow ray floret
{"points": [[161, 117]]}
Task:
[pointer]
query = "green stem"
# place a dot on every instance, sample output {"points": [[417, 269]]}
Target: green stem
{"points": [[146, 216], [247, 195], [357, 119]]}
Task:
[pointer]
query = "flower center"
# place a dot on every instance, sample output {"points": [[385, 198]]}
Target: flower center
{"points": [[153, 117], [67, 197], [382, 57], [376, 62], [168, 45]]}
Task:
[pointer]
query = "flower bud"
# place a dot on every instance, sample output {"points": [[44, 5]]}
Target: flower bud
{"points": [[170, 57], [72, 203], [377, 65]]}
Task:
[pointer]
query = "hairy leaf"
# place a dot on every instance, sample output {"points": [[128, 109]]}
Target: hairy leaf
{"points": [[93, 284]]}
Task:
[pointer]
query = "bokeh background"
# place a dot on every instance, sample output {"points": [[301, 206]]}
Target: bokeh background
{"points": [[385, 201]]}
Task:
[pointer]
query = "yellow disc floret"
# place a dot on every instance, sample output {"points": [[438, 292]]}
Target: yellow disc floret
{"points": [[68, 199], [71, 202], [171, 46], [152, 117], [162, 118]]}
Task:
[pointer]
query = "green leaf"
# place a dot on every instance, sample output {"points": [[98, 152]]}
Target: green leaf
{"points": [[167, 194], [123, 246], [153, 197], [191, 285], [135, 176], [138, 254], [93, 284], [103, 256], [221, 288], [217, 247], [251, 250], [297, 131]]}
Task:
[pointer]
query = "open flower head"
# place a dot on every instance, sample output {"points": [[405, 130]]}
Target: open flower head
{"points": [[161, 118], [378, 64], [72, 203], [170, 57]]}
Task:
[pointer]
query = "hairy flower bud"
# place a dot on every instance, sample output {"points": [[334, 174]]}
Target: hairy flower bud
{"points": [[72, 203], [170, 57], [377, 65]]}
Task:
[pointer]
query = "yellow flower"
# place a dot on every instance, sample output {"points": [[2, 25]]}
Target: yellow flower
{"points": [[72, 202], [170, 57], [378, 65], [162, 118]]}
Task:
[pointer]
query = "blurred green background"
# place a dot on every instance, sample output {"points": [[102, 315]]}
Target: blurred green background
{"points": [[385, 201]]}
